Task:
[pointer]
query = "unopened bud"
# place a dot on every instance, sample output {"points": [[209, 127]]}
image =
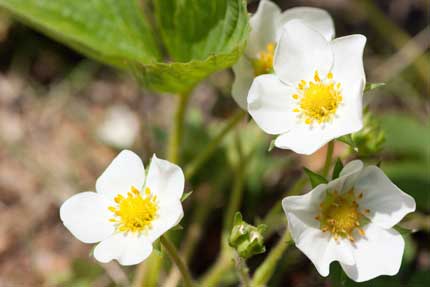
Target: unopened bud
{"points": [[246, 238]]}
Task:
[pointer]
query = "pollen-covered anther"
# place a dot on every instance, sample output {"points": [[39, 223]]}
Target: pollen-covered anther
{"points": [[340, 215], [135, 212], [317, 100], [263, 64]]}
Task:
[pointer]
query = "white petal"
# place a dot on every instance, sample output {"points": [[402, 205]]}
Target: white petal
{"points": [[378, 253], [165, 179], [128, 249], [126, 170], [351, 167], [300, 52], [270, 104], [349, 72], [264, 24], [386, 202], [169, 215], [86, 216], [316, 18], [243, 77], [322, 250], [318, 246]]}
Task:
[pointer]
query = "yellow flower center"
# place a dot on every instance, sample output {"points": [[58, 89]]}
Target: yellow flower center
{"points": [[318, 100], [263, 64], [134, 213], [340, 215]]}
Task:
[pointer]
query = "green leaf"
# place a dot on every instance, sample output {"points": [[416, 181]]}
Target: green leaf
{"points": [[200, 36], [372, 86], [405, 134], [315, 178], [186, 195], [337, 168], [113, 32]]}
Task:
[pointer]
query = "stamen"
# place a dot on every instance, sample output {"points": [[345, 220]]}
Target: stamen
{"points": [[319, 99], [263, 64], [134, 213], [339, 214]]}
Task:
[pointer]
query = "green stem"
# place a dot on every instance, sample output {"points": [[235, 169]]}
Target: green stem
{"points": [[173, 253], [154, 263], [201, 158], [176, 133], [237, 192], [328, 158], [203, 208], [243, 271], [265, 271]]}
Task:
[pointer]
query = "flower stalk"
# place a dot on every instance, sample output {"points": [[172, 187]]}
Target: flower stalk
{"points": [[267, 268], [328, 158], [174, 255], [177, 131], [243, 271]]}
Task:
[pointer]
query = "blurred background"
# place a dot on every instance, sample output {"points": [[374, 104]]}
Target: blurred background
{"points": [[64, 117]]}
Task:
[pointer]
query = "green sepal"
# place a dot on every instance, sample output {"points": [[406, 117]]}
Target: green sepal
{"points": [[247, 239], [372, 86], [271, 145], [314, 178], [177, 227], [186, 195], [338, 166], [347, 139]]}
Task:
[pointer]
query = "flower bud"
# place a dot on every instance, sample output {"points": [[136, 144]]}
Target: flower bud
{"points": [[247, 239], [370, 139]]}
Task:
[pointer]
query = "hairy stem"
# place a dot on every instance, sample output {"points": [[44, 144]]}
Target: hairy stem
{"points": [[174, 255], [236, 195], [328, 158], [265, 271], [148, 275], [243, 271], [177, 131], [200, 214]]}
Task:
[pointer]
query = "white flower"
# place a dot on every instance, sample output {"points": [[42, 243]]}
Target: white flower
{"points": [[316, 92], [127, 212], [350, 220], [120, 127], [266, 25]]}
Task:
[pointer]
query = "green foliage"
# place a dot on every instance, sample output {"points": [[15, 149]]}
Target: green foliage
{"points": [[337, 168], [372, 86], [201, 37], [347, 139], [113, 32], [315, 178], [186, 195], [407, 142], [371, 138]]}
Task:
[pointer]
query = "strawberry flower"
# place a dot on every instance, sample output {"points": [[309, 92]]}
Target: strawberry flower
{"points": [[351, 220], [315, 94], [129, 210], [266, 26]]}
